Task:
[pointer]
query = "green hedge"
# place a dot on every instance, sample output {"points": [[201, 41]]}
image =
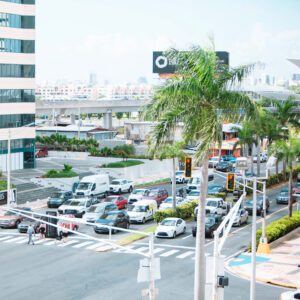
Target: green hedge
{"points": [[184, 211], [66, 172], [123, 164], [3, 185], [280, 227]]}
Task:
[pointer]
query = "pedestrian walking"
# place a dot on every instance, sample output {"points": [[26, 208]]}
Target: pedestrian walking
{"points": [[30, 232], [65, 233], [42, 230]]}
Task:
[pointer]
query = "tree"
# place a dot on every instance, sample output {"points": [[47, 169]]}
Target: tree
{"points": [[172, 151], [289, 150], [198, 94], [119, 116]]}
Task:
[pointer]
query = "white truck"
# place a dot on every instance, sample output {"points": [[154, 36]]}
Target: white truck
{"points": [[94, 185], [76, 207], [142, 211], [119, 186], [214, 206]]}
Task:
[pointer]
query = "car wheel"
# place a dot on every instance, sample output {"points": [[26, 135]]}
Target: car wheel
{"points": [[130, 189], [246, 221], [144, 221], [239, 224], [17, 223], [113, 231], [194, 234], [174, 235], [184, 230], [127, 226], [75, 228], [120, 192]]}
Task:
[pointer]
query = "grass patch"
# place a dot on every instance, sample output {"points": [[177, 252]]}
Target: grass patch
{"points": [[3, 185], [155, 182], [123, 164], [136, 236]]}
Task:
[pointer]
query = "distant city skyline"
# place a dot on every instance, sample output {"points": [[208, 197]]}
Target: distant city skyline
{"points": [[115, 42]]}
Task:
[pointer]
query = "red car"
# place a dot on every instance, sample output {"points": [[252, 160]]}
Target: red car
{"points": [[159, 195], [66, 224], [120, 201], [42, 152], [296, 188]]}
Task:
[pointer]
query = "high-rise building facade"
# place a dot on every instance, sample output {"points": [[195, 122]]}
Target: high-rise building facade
{"points": [[17, 83]]}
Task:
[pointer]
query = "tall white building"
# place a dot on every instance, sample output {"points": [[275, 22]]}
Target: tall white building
{"points": [[17, 83]]}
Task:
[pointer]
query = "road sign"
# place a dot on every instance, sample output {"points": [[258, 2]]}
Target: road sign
{"points": [[241, 163], [144, 270]]}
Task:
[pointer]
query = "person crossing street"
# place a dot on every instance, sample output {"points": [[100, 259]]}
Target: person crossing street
{"points": [[30, 232]]}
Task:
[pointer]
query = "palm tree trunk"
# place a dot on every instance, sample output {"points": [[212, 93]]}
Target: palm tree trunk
{"points": [[290, 190], [258, 156], [277, 166], [284, 168], [174, 184], [251, 159], [199, 282]]}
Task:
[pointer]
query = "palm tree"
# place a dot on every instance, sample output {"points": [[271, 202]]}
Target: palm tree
{"points": [[289, 150], [172, 151], [197, 96]]}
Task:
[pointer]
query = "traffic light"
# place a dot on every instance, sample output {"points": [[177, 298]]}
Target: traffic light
{"points": [[230, 183], [188, 167]]}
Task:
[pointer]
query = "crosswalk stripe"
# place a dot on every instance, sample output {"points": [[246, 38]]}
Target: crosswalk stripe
{"points": [[124, 250], [5, 238], [50, 243], [141, 249], [24, 240], [67, 243], [157, 250], [169, 253], [41, 241], [185, 254], [83, 244], [14, 239], [94, 246]]}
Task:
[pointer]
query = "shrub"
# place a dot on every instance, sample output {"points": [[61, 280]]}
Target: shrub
{"points": [[123, 164], [184, 211], [66, 172]]}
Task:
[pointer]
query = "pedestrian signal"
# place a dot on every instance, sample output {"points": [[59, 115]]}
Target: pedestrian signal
{"points": [[230, 184], [188, 167]]}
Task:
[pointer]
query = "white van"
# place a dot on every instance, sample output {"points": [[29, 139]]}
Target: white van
{"points": [[94, 185], [142, 211]]}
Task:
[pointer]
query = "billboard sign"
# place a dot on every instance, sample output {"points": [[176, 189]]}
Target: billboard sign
{"points": [[3, 196], [163, 65]]}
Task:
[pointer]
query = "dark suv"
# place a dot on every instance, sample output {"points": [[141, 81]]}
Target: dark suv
{"points": [[159, 195], [58, 199]]}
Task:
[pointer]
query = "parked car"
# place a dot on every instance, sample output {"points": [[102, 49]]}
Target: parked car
{"points": [[181, 192], [113, 218], [137, 195], [120, 201], [180, 178], [213, 161], [170, 227], [216, 206], [23, 226], [192, 195], [142, 211], [224, 166], [259, 205], [11, 219], [290, 295], [298, 177], [237, 193], [76, 207], [296, 188], [66, 224], [168, 202], [58, 198], [228, 158], [119, 186], [158, 194], [241, 217], [263, 158], [195, 181], [212, 222], [214, 189], [41, 152], [96, 211], [282, 197]]}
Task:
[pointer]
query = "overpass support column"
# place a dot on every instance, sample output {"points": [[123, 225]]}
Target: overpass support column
{"points": [[73, 118], [107, 120]]}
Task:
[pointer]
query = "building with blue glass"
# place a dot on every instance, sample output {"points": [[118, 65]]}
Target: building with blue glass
{"points": [[17, 83]]}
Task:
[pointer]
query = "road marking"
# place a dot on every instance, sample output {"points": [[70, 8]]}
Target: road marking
{"points": [[14, 240], [186, 237], [25, 240], [169, 253], [157, 250], [50, 243], [5, 238], [168, 246], [67, 243], [185, 254], [127, 250], [40, 241], [141, 249], [83, 244], [97, 245]]}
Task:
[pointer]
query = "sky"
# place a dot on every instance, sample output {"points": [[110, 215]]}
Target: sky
{"points": [[115, 38]]}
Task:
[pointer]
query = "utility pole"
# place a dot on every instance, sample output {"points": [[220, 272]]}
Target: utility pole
{"points": [[152, 292], [8, 169], [79, 120], [253, 245]]}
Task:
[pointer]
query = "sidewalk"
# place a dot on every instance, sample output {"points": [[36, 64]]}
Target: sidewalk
{"points": [[278, 268]]}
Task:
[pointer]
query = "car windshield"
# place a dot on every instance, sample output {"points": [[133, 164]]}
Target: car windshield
{"points": [[77, 203], [209, 221], [153, 193], [168, 200], [112, 198], [179, 173], [139, 208], [212, 203], [194, 180], [214, 158], [95, 208], [284, 194], [57, 195], [168, 222], [249, 202], [194, 193], [109, 216], [9, 213], [115, 182], [138, 192], [297, 185], [68, 202], [84, 186]]}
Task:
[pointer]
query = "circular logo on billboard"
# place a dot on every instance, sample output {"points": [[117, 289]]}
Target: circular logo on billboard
{"points": [[161, 62]]}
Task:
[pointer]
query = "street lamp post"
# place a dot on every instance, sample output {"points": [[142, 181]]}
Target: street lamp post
{"points": [[8, 169]]}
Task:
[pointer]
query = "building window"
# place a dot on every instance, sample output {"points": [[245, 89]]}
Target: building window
{"points": [[9, 121], [17, 21], [17, 46], [10, 70], [21, 1], [17, 96]]}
